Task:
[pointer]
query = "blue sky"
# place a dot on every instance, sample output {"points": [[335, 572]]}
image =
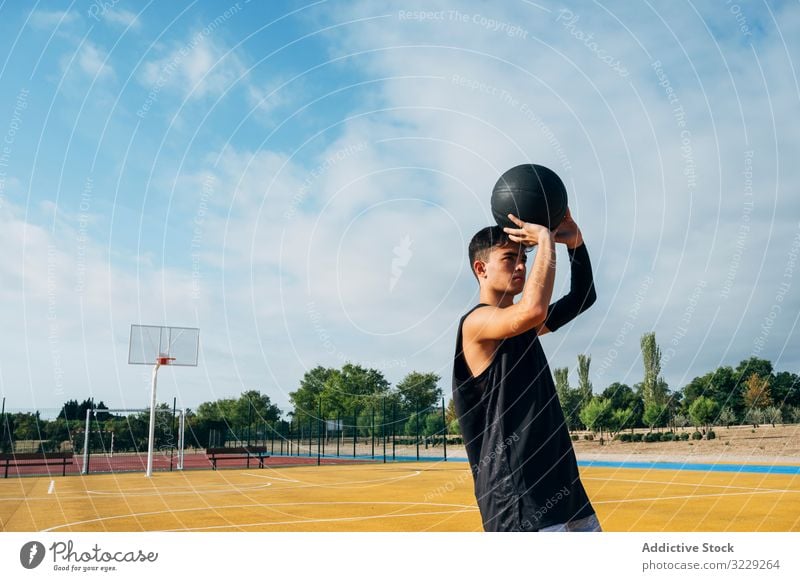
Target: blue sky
{"points": [[301, 180]]}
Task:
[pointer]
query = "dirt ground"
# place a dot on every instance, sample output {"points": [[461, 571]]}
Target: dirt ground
{"points": [[762, 445], [737, 444]]}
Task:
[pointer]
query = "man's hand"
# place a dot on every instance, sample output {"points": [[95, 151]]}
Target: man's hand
{"points": [[568, 232], [527, 234]]}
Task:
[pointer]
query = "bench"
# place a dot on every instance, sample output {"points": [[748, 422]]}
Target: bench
{"points": [[216, 454], [36, 459]]}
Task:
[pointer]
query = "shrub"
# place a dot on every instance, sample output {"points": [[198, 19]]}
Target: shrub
{"points": [[575, 437], [668, 437], [588, 437], [652, 437], [684, 436], [726, 417], [773, 415], [637, 437], [697, 436], [754, 416], [623, 437], [681, 420], [710, 435]]}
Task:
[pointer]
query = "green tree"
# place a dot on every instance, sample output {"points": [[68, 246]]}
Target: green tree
{"points": [[256, 407], [681, 420], [223, 410], [620, 395], [654, 389], [355, 388], [450, 414], [597, 415], [773, 415], [726, 417], [569, 398], [240, 417], [434, 425], [785, 389], [27, 426], [561, 378], [655, 415], [703, 411], [306, 398], [419, 391], [754, 416], [620, 419], [57, 433], [721, 385], [584, 384], [72, 410], [747, 367], [454, 428]]}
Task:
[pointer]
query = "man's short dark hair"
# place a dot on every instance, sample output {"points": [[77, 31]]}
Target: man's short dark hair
{"points": [[482, 243]]}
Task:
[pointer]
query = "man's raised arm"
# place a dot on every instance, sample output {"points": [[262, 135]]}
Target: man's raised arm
{"points": [[581, 293]]}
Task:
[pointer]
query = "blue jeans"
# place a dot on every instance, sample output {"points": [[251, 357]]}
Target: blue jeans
{"points": [[590, 524]]}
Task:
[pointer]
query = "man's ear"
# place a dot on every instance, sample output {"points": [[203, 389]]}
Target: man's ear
{"points": [[479, 268]]}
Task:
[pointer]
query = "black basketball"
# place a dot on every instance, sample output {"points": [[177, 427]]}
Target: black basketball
{"points": [[531, 192]]}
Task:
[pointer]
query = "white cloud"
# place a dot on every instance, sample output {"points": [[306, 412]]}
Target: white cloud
{"points": [[123, 18], [87, 60], [93, 61], [51, 19], [199, 67]]}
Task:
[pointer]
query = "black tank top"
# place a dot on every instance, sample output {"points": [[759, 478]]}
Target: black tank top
{"points": [[518, 446]]}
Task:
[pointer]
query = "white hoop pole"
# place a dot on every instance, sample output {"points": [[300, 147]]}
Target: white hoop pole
{"points": [[85, 469], [151, 439]]}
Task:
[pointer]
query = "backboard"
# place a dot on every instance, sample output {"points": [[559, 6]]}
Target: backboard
{"points": [[151, 344]]}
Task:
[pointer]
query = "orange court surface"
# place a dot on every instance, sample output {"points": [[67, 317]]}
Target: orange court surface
{"points": [[399, 497]]}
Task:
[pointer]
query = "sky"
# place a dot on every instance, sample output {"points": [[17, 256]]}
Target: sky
{"points": [[300, 181]]}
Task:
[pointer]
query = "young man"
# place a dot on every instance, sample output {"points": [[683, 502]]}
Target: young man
{"points": [[523, 464]]}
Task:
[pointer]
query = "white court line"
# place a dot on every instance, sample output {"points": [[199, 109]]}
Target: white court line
{"points": [[690, 484], [318, 520], [223, 488], [52, 487], [151, 487], [62, 496], [230, 490], [308, 484], [270, 477], [689, 497], [253, 505]]}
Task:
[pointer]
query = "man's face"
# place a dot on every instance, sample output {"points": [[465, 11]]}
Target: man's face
{"points": [[504, 271]]}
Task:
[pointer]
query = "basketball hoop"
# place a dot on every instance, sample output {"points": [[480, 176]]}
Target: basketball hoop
{"points": [[157, 345]]}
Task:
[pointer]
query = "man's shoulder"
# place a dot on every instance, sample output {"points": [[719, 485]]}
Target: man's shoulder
{"points": [[476, 317]]}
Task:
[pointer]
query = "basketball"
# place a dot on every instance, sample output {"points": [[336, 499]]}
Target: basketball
{"points": [[531, 192]]}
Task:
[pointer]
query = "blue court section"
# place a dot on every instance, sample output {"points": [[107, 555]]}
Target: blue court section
{"points": [[743, 468]]}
